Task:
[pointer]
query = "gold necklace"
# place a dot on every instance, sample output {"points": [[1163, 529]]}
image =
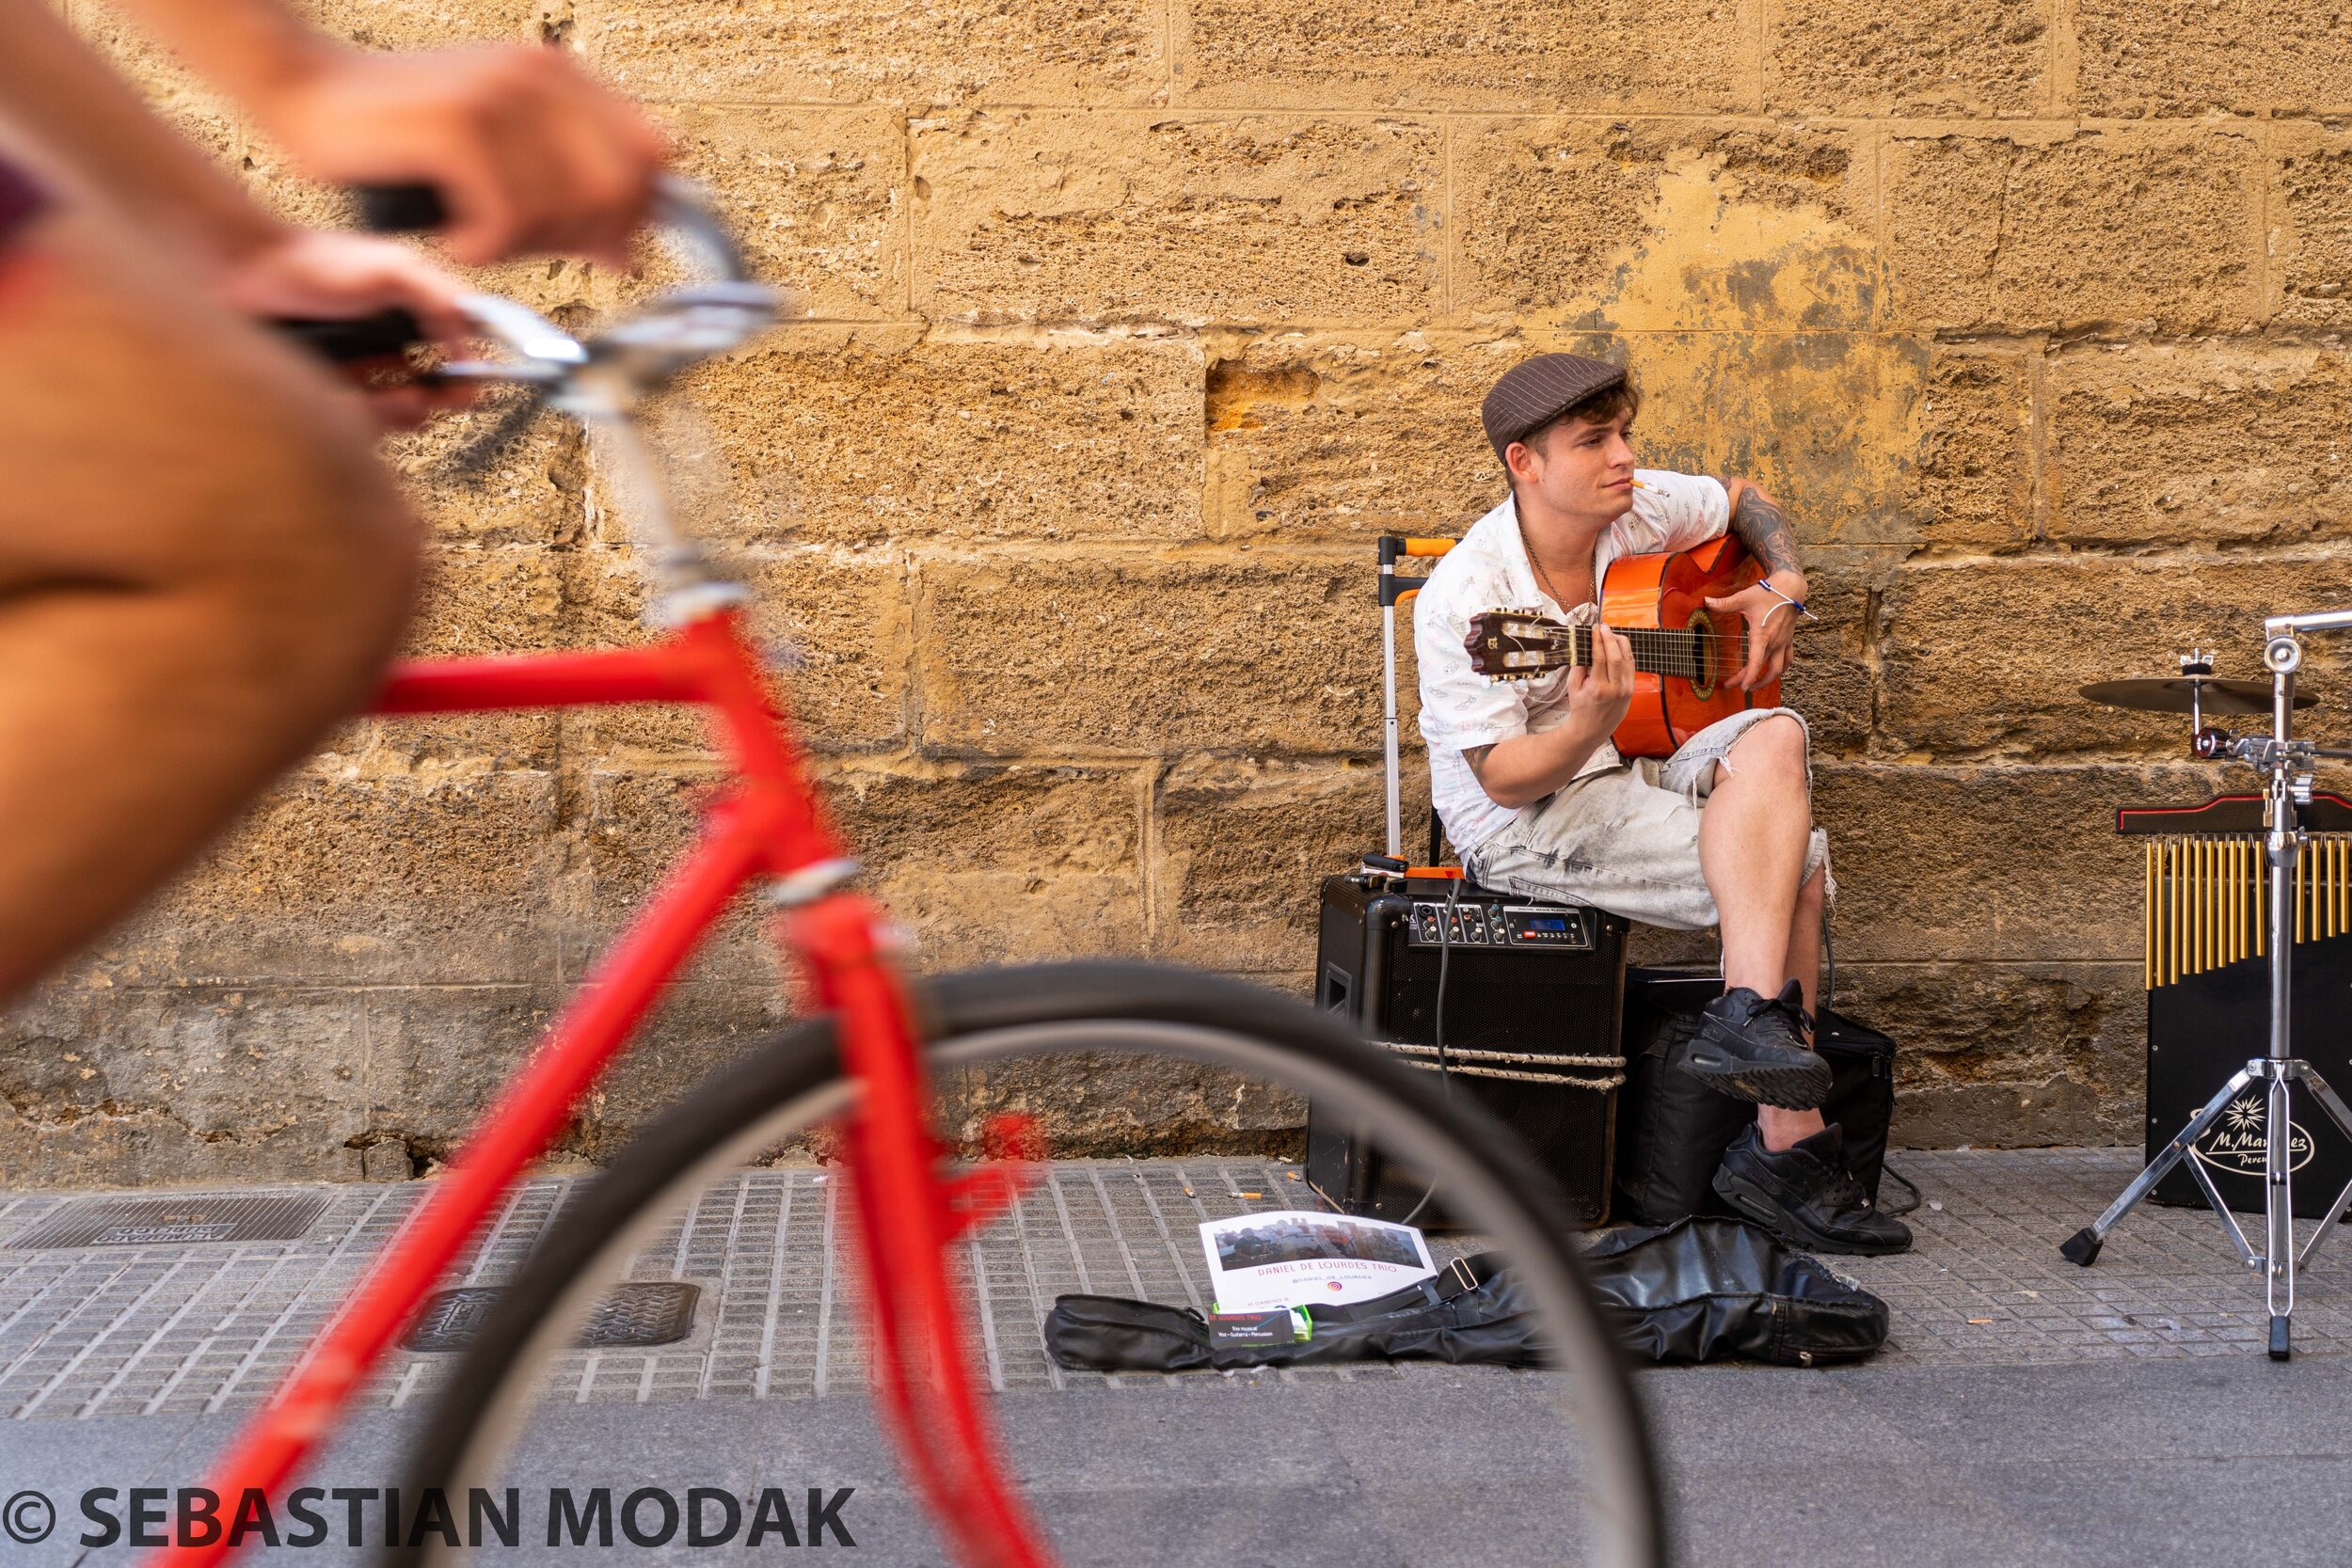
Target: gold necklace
{"points": [[1541, 575]]}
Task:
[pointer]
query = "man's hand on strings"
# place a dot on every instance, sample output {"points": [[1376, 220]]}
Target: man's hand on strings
{"points": [[1772, 622]]}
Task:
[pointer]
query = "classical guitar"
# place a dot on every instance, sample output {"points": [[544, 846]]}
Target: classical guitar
{"points": [[1681, 651]]}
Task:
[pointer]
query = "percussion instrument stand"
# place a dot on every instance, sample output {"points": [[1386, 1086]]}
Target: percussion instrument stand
{"points": [[2288, 763]]}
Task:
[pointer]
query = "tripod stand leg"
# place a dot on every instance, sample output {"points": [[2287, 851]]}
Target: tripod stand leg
{"points": [[2278, 1211], [2083, 1245], [2341, 1116], [2220, 1206]]}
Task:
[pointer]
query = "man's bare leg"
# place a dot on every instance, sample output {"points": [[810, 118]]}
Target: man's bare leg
{"points": [[202, 568], [1752, 845], [1780, 1128]]}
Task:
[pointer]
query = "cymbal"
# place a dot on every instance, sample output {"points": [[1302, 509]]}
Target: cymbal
{"points": [[2171, 694]]}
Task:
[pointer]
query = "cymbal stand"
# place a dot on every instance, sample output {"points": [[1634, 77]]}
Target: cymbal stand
{"points": [[2288, 763]]}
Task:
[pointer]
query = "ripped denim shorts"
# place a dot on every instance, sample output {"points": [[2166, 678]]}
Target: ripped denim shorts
{"points": [[1626, 840]]}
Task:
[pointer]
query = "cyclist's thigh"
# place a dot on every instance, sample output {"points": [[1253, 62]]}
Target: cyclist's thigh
{"points": [[151, 439]]}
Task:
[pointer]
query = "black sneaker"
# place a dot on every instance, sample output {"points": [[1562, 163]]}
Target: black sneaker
{"points": [[1751, 1048], [1805, 1195]]}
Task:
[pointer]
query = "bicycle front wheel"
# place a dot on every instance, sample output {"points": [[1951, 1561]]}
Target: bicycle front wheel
{"points": [[1370, 1463]]}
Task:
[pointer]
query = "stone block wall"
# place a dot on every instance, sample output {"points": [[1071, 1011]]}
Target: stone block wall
{"points": [[1127, 325]]}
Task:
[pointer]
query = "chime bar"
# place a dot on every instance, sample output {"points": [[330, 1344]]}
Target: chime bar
{"points": [[2207, 895]]}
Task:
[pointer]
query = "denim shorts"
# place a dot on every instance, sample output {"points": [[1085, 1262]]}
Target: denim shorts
{"points": [[1627, 839]]}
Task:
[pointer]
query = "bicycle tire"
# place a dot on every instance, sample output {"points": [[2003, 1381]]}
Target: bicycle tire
{"points": [[1095, 1005]]}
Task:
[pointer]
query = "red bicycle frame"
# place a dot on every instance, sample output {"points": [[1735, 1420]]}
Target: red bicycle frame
{"points": [[771, 828]]}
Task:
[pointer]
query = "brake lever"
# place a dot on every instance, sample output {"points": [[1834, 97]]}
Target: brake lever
{"points": [[523, 330]]}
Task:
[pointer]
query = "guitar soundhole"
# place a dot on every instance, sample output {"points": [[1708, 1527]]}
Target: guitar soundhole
{"points": [[1701, 628]]}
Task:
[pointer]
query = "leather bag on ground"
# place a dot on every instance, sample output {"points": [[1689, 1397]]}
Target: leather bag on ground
{"points": [[1700, 1290], [1720, 1290]]}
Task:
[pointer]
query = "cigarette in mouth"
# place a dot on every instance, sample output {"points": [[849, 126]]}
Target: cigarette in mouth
{"points": [[1639, 485]]}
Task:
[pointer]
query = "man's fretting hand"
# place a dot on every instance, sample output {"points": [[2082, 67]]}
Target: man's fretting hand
{"points": [[1599, 692]]}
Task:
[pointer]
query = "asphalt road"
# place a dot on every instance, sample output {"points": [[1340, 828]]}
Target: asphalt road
{"points": [[2139, 1464]]}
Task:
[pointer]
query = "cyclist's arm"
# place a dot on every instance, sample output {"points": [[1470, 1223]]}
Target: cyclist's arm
{"points": [[530, 153], [80, 127], [77, 114]]}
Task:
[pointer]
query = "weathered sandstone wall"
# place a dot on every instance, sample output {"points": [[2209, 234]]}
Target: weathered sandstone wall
{"points": [[1129, 323]]}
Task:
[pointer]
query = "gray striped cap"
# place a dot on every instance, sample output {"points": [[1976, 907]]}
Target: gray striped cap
{"points": [[1536, 391]]}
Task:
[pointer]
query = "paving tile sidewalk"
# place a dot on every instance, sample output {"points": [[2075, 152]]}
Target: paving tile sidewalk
{"points": [[170, 1326], [2027, 1412]]}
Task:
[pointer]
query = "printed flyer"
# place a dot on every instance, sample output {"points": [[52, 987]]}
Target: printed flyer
{"points": [[1297, 1258]]}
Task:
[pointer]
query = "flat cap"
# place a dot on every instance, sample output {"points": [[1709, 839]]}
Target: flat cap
{"points": [[1533, 393]]}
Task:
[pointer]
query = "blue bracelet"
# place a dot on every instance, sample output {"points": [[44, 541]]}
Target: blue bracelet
{"points": [[1797, 605]]}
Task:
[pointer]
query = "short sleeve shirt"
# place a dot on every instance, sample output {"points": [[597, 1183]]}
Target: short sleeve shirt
{"points": [[1489, 570]]}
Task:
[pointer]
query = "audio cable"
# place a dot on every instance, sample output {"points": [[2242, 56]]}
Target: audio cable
{"points": [[1445, 963]]}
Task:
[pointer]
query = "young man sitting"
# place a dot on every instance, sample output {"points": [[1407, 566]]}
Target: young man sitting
{"points": [[1539, 803]]}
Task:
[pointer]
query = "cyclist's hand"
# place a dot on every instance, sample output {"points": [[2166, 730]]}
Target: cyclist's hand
{"points": [[527, 152], [327, 275]]}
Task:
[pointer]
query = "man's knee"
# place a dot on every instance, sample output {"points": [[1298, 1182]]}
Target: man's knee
{"points": [[202, 459], [1774, 744], [316, 562]]}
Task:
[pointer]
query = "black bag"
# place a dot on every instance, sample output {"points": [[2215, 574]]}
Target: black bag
{"points": [[1672, 1129], [1473, 1311], [1702, 1289], [1714, 1290]]}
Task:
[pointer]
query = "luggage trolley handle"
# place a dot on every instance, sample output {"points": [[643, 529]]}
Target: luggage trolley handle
{"points": [[1394, 591]]}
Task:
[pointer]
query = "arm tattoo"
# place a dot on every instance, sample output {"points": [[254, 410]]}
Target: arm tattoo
{"points": [[1476, 757], [1764, 527]]}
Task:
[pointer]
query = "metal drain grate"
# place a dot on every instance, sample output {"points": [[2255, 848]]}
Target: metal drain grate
{"points": [[175, 1219], [631, 1318]]}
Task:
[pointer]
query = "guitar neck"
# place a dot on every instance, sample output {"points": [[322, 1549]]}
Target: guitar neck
{"points": [[1656, 651]]}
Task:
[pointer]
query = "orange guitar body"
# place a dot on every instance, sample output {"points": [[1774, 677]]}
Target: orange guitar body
{"points": [[1670, 592]]}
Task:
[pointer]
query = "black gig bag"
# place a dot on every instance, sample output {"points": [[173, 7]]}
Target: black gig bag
{"points": [[1700, 1290], [1672, 1129], [1472, 1312]]}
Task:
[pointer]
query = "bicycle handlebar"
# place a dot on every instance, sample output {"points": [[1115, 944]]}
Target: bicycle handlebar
{"points": [[598, 380], [342, 339], [678, 205], [682, 325]]}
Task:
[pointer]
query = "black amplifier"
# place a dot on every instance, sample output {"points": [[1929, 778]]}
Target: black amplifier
{"points": [[1532, 1000], [2203, 1027]]}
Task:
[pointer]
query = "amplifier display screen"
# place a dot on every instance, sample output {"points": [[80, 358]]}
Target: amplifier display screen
{"points": [[1537, 926]]}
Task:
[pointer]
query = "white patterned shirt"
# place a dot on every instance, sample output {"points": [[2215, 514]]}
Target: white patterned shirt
{"points": [[1489, 570]]}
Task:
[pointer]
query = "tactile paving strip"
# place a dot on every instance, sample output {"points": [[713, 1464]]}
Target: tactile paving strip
{"points": [[184, 1327]]}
